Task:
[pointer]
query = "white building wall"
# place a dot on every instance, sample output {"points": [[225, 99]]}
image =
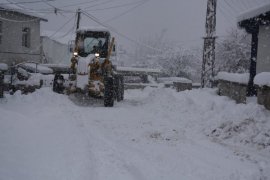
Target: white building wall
{"points": [[55, 52], [11, 49], [263, 57]]}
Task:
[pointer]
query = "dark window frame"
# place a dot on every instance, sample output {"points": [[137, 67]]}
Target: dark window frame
{"points": [[1, 31], [26, 36]]}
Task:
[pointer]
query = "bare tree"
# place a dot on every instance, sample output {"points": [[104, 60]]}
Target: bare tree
{"points": [[233, 52]]}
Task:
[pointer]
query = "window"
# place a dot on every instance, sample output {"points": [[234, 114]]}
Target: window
{"points": [[26, 37], [1, 31]]}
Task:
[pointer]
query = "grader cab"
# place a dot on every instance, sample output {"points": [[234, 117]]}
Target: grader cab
{"points": [[93, 70]]}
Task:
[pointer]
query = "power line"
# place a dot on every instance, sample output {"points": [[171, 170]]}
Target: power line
{"points": [[232, 7], [62, 26], [106, 2], [117, 32], [230, 21], [118, 6], [126, 12], [69, 5]]}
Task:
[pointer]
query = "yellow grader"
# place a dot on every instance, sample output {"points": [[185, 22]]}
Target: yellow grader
{"points": [[93, 71]]}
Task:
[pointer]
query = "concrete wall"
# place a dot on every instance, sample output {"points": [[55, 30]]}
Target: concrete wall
{"points": [[179, 86], [55, 52], [263, 59], [235, 91], [264, 96], [11, 49]]}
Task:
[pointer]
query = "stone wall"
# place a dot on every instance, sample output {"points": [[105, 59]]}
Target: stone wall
{"points": [[233, 90], [264, 96], [180, 86]]}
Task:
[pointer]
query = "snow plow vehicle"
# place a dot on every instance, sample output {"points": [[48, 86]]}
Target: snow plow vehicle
{"points": [[94, 74]]}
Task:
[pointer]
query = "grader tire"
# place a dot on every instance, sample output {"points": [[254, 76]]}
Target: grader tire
{"points": [[108, 92]]}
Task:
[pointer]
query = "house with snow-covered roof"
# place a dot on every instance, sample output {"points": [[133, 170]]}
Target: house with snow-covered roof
{"points": [[19, 34], [257, 23]]}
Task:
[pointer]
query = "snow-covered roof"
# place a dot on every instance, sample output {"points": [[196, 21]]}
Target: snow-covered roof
{"points": [[234, 77], [6, 5], [251, 13], [262, 79]]}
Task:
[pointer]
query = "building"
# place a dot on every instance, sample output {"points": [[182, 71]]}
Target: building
{"points": [[19, 34], [257, 23], [55, 47]]}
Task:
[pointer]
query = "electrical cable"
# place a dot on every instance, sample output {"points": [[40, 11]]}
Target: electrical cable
{"points": [[126, 12], [117, 32], [117, 6], [106, 2], [230, 6], [62, 26]]}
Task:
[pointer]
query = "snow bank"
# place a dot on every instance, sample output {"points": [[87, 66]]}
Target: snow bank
{"points": [[3, 67], [154, 134], [262, 79], [33, 67], [233, 77], [254, 12]]}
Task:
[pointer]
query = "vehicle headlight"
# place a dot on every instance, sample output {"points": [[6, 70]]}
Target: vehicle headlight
{"points": [[97, 54], [75, 53]]}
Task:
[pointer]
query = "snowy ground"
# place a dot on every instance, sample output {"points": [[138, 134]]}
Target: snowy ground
{"points": [[153, 134]]}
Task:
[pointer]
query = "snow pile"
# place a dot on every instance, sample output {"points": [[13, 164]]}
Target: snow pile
{"points": [[233, 77], [254, 12], [262, 79], [33, 80], [154, 134], [38, 68], [249, 132], [3, 67]]}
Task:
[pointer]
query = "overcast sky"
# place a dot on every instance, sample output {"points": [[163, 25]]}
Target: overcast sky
{"points": [[180, 21]]}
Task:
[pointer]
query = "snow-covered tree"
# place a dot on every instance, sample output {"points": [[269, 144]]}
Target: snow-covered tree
{"points": [[233, 52], [172, 59]]}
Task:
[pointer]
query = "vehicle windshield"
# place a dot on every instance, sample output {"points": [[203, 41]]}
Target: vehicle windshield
{"points": [[93, 42], [92, 45]]}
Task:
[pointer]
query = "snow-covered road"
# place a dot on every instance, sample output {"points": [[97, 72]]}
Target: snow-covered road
{"points": [[153, 134]]}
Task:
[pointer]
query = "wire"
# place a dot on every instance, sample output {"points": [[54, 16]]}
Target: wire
{"points": [[117, 32], [126, 12], [76, 4], [62, 26], [122, 5], [230, 6], [106, 2]]}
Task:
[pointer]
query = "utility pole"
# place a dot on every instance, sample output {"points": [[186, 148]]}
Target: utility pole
{"points": [[76, 48], [209, 45], [78, 18]]}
